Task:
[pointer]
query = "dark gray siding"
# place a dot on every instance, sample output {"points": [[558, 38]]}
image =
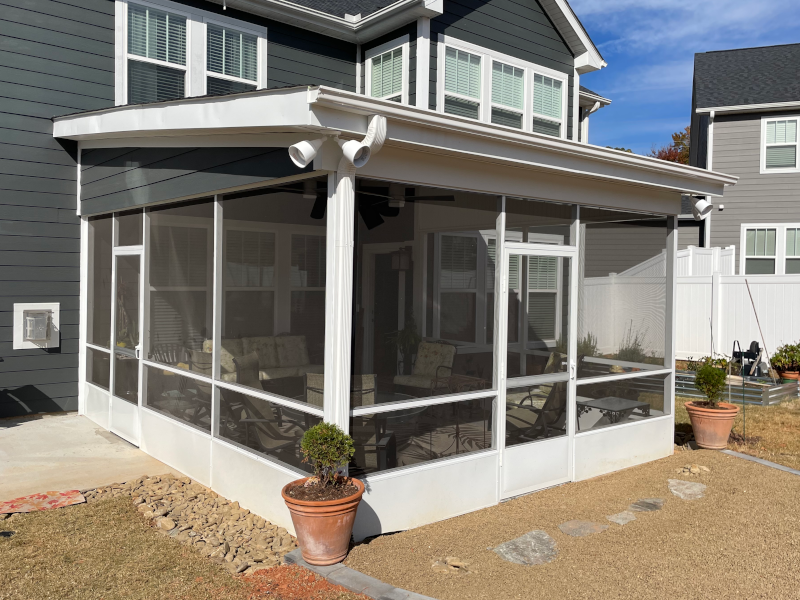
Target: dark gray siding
{"points": [[55, 58], [118, 178], [690, 233], [411, 31], [519, 28], [296, 56], [756, 198]]}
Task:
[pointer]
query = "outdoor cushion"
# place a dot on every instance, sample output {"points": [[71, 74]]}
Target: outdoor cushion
{"points": [[430, 356], [292, 350], [278, 373], [230, 348], [265, 348], [304, 369]]}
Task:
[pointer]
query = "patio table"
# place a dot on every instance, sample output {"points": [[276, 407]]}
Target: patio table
{"points": [[616, 409]]}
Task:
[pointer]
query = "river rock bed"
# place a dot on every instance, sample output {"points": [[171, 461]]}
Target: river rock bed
{"points": [[194, 515]]}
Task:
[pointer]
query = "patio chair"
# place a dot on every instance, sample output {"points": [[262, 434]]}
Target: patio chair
{"points": [[362, 395], [432, 368], [534, 422], [169, 354]]}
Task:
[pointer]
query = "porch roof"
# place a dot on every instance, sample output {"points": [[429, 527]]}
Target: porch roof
{"points": [[281, 117]]}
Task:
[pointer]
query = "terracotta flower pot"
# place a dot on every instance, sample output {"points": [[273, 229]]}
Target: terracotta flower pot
{"points": [[323, 528], [712, 426], [789, 375]]}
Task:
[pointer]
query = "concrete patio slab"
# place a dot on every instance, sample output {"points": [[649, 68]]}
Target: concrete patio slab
{"points": [[63, 452]]}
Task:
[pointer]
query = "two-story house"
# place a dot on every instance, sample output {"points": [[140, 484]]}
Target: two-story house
{"points": [[745, 114], [224, 221]]}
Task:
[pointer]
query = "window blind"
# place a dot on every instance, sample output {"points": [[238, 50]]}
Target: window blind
{"points": [[180, 256], [461, 108], [219, 87], [546, 127], [760, 242], [387, 74], [547, 96], [156, 34], [308, 261], [781, 157], [491, 259], [462, 73], [507, 85], [232, 53], [542, 272], [541, 316], [148, 82], [249, 258], [781, 132], [459, 263], [793, 242]]}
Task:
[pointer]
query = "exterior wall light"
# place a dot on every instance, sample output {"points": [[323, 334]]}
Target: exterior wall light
{"points": [[302, 153]]}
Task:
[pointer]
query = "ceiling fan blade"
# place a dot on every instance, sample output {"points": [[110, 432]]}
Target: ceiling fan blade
{"points": [[370, 216]]}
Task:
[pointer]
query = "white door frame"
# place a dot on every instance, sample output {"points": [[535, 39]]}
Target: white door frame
{"points": [[565, 444]]}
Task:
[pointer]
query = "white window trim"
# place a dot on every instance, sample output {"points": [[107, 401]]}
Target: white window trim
{"points": [[196, 41], [403, 42], [796, 168], [485, 99], [780, 245]]}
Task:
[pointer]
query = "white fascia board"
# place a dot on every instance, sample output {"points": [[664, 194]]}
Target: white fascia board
{"points": [[590, 99], [327, 111], [747, 108], [587, 57], [359, 31]]}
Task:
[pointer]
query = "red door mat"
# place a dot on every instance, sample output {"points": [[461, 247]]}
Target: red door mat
{"points": [[43, 501]]}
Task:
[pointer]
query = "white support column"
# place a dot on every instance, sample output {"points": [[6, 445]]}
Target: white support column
{"points": [[575, 274], [423, 61], [218, 304], [83, 328], [339, 294], [671, 320], [576, 110]]}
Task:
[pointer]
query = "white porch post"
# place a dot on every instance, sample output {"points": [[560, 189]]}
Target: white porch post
{"points": [[671, 320], [339, 294]]}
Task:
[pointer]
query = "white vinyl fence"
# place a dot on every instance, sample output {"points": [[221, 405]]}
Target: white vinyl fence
{"points": [[711, 302]]}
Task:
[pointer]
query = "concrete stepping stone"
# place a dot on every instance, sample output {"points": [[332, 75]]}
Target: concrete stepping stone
{"points": [[647, 505], [533, 548], [623, 518], [581, 528], [686, 490]]}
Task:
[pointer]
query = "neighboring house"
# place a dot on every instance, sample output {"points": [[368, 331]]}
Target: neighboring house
{"points": [[243, 210], [745, 114]]}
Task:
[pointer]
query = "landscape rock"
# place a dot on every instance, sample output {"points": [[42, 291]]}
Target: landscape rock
{"points": [[533, 548], [165, 524], [581, 528], [622, 518], [686, 490], [450, 564], [692, 469], [647, 505]]}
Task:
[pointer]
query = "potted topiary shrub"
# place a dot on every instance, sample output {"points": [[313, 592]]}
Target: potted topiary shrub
{"points": [[786, 361], [323, 507], [711, 419]]}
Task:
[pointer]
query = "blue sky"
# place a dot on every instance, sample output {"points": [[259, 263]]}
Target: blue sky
{"points": [[649, 46]]}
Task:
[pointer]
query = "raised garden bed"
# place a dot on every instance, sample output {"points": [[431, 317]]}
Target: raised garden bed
{"points": [[752, 390]]}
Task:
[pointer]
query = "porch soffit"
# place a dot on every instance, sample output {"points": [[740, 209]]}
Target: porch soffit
{"points": [[301, 113]]}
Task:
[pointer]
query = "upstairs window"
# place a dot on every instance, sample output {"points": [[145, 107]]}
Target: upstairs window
{"points": [[547, 102], [781, 144], [156, 55], [793, 251], [387, 75], [231, 60], [508, 91], [462, 83], [487, 86], [760, 251]]}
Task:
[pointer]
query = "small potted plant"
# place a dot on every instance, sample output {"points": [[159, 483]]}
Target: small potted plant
{"points": [[323, 507], [786, 361], [711, 419]]}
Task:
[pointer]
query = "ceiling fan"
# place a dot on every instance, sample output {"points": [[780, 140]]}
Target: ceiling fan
{"points": [[372, 205]]}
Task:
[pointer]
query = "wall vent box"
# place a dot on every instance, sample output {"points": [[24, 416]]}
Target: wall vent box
{"points": [[36, 325]]}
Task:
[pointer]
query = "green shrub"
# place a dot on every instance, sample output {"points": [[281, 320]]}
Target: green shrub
{"points": [[720, 362], [587, 345], [711, 381], [786, 358], [328, 449]]}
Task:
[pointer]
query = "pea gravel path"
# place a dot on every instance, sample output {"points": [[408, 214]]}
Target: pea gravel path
{"points": [[741, 540]]}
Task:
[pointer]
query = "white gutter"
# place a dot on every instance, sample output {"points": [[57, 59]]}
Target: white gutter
{"points": [[746, 108]]}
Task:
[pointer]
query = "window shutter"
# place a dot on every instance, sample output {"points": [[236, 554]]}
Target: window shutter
{"points": [[156, 34], [547, 96], [507, 85], [462, 73], [459, 262], [232, 53]]}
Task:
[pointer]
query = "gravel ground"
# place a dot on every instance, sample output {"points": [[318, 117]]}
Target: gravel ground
{"points": [[741, 540]]}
